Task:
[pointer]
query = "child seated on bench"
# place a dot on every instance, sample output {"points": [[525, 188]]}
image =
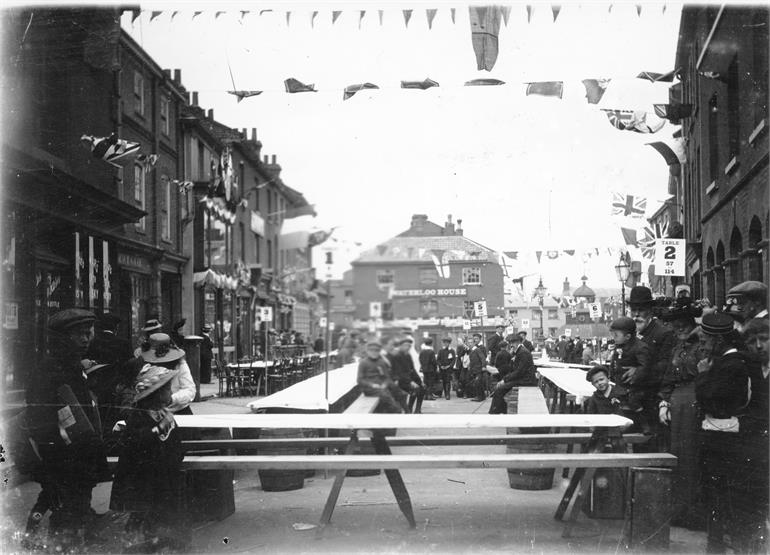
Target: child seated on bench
{"points": [[374, 380], [148, 480]]}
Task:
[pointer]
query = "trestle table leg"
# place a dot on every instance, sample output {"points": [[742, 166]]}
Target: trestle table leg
{"points": [[381, 447], [339, 478]]}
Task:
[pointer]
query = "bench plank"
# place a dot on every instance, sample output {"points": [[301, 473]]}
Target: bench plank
{"points": [[401, 421], [343, 462], [408, 441]]}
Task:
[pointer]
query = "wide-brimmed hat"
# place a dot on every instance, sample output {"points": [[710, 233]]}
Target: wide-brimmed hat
{"points": [[640, 296], [717, 323], [161, 350], [150, 379], [152, 325], [69, 318]]}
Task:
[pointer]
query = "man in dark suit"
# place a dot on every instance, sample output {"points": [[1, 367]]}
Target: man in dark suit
{"points": [[493, 343], [660, 340], [526, 343], [522, 373], [405, 375], [478, 356], [107, 347]]}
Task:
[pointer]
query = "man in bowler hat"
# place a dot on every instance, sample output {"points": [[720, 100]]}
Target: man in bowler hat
{"points": [[660, 340]]}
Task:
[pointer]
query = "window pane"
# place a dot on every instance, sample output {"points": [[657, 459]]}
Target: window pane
{"points": [[428, 309], [385, 277], [471, 276]]}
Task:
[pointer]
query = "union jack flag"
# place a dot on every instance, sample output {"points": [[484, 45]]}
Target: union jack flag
{"points": [[628, 206], [110, 149], [639, 122], [651, 234]]}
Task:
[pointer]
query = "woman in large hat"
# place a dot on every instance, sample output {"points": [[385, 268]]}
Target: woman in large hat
{"points": [[730, 450], [148, 482], [162, 352], [677, 410]]}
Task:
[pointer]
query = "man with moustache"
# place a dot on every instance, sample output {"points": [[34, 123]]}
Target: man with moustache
{"points": [[660, 340]]}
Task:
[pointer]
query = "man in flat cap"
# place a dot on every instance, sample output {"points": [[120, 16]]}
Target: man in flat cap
{"points": [[64, 423], [747, 301], [107, 347], [374, 380]]}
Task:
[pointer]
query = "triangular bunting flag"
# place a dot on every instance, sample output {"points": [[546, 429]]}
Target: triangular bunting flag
{"points": [[153, 15], [529, 13], [335, 15], [452, 13], [629, 236], [538, 254], [505, 11], [483, 82], [312, 19], [350, 90], [555, 8], [442, 268], [216, 15], [361, 15], [407, 17], [294, 86], [264, 11], [570, 252], [288, 19], [673, 151], [196, 14], [552, 255], [595, 89], [430, 14], [110, 149], [173, 15], [379, 13], [243, 14], [546, 88], [381, 249], [639, 10], [485, 28], [244, 94], [425, 84], [135, 13]]}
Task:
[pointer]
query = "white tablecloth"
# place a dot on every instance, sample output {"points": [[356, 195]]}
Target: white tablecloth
{"points": [[309, 394], [571, 380]]}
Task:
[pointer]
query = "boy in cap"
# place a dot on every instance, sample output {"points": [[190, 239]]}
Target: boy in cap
{"points": [[522, 373], [445, 358], [148, 481], [64, 424], [375, 380], [606, 398], [629, 365]]}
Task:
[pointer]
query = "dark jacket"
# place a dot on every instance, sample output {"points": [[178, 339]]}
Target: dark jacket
{"points": [[632, 353], [503, 362], [522, 368], [528, 345], [723, 391], [660, 340], [758, 409], [599, 404], [493, 344], [107, 348], [478, 356], [683, 367], [461, 351], [446, 358], [373, 372], [402, 368], [428, 361]]}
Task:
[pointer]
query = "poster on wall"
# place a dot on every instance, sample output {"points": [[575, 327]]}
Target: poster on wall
{"points": [[669, 257], [11, 316]]}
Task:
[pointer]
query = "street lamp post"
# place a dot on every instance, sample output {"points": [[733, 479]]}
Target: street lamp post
{"points": [[622, 269], [540, 292]]}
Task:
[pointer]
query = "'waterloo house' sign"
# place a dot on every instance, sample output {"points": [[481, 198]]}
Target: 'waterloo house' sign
{"points": [[461, 292]]}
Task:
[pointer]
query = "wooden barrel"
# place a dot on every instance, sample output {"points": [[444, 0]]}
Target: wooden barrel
{"points": [[530, 478], [281, 480]]}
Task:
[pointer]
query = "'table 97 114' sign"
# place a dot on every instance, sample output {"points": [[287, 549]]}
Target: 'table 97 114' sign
{"points": [[669, 257]]}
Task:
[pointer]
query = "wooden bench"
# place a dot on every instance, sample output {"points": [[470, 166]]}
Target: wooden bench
{"points": [[528, 400], [372, 427]]}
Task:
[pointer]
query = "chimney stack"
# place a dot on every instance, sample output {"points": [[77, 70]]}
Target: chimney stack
{"points": [[211, 113], [178, 76], [449, 227], [245, 134], [254, 134], [459, 226], [266, 159], [273, 161], [195, 98], [167, 73], [419, 221], [565, 287]]}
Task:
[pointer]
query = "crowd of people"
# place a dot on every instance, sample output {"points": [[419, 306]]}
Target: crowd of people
{"points": [[695, 381], [93, 396]]}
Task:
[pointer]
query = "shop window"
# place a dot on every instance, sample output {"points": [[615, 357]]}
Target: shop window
{"points": [[428, 276], [513, 313], [553, 314], [537, 314], [138, 93], [471, 276], [385, 277], [428, 309]]}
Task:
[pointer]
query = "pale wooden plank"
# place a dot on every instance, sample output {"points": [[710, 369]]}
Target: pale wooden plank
{"points": [[363, 405], [531, 401], [343, 462], [407, 441], [401, 421]]}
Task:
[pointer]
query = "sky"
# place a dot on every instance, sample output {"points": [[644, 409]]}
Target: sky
{"points": [[524, 173]]}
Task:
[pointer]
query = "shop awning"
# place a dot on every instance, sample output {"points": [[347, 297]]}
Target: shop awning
{"points": [[302, 232], [215, 279]]}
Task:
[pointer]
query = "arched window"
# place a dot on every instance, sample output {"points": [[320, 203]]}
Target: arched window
{"points": [[755, 258], [736, 262], [710, 275], [719, 276]]}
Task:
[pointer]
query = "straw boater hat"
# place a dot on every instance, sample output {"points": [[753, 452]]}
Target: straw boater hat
{"points": [[150, 379], [152, 325], [161, 350]]}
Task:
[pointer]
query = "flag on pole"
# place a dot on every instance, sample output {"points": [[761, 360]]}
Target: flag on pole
{"points": [[555, 8], [672, 151], [452, 13], [153, 15], [485, 28], [651, 234], [529, 13], [628, 206]]}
